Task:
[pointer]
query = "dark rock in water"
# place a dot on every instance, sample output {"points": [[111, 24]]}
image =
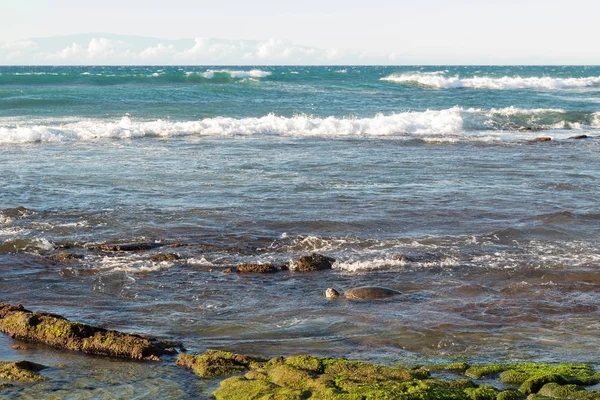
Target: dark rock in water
{"points": [[579, 137], [266, 268], [530, 128], [65, 256], [314, 262], [24, 371], [124, 246], [160, 257], [540, 139], [216, 363], [15, 212], [57, 331]]}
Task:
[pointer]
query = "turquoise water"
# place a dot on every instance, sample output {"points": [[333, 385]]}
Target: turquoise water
{"points": [[365, 164]]}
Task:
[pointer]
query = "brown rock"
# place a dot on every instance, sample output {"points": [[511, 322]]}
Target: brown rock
{"points": [[124, 246], [266, 268], [579, 137], [540, 139], [314, 262], [25, 371], [65, 256], [57, 331], [160, 257]]}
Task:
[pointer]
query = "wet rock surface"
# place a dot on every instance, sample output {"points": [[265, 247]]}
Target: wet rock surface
{"points": [[540, 139], [314, 262], [24, 371], [56, 331]]}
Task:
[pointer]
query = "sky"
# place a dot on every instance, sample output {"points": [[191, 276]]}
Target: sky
{"points": [[294, 32]]}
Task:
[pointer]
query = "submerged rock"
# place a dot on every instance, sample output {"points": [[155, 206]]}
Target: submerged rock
{"points": [[579, 137], [266, 268], [123, 246], [15, 212], [162, 257], [540, 139], [314, 262], [57, 331], [65, 256], [24, 371]]}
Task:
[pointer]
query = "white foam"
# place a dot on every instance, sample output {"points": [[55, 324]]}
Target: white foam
{"points": [[234, 74], [444, 126], [439, 122], [440, 81]]}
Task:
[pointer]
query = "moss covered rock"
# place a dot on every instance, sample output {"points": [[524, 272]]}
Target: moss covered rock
{"points": [[216, 363], [24, 371], [59, 332], [557, 391], [510, 395], [484, 392]]}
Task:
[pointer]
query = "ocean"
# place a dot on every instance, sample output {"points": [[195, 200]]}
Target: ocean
{"points": [[472, 190]]}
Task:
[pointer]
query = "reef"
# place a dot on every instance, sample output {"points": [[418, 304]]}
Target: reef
{"points": [[24, 371], [325, 378], [57, 331]]}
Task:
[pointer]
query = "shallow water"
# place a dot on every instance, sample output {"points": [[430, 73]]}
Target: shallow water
{"points": [[501, 234]]}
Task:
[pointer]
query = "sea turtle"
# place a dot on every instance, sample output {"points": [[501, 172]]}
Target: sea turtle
{"points": [[363, 293]]}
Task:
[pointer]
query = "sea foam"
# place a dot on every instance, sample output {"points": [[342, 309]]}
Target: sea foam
{"points": [[449, 125], [234, 74], [440, 81]]}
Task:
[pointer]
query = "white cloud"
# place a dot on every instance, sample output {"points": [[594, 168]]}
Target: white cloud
{"points": [[20, 45], [73, 50], [100, 48], [158, 51], [197, 49]]}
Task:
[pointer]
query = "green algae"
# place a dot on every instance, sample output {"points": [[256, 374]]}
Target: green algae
{"points": [[24, 371], [326, 378], [559, 391], [59, 332], [485, 392], [216, 363], [510, 395]]}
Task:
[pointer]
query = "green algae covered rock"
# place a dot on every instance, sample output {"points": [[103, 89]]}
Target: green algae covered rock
{"points": [[325, 378], [484, 392], [510, 395], [479, 371], [557, 391], [24, 371], [59, 332], [216, 363]]}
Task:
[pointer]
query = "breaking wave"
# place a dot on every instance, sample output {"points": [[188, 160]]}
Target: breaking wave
{"points": [[439, 125], [441, 81]]}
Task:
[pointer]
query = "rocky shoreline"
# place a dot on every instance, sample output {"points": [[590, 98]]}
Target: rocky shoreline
{"points": [[300, 376]]}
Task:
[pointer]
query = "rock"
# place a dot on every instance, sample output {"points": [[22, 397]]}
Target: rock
{"points": [[19, 347], [123, 246], [57, 331], [557, 391], [162, 257], [266, 268], [15, 212], [215, 363], [540, 139], [530, 128], [24, 371], [579, 137], [314, 262], [65, 256]]}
